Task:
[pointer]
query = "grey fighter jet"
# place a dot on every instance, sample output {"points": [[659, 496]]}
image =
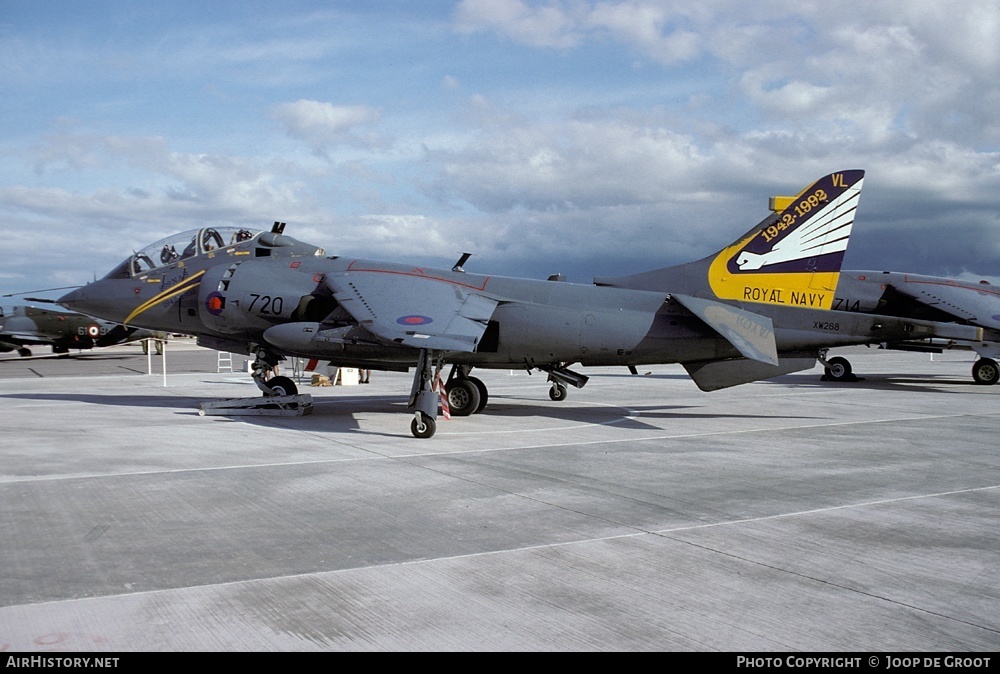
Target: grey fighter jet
{"points": [[932, 298], [24, 326], [757, 309]]}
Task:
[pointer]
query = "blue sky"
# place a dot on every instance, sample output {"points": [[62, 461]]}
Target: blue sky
{"points": [[574, 136]]}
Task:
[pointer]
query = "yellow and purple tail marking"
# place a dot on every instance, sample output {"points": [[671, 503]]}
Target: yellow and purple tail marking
{"points": [[794, 258]]}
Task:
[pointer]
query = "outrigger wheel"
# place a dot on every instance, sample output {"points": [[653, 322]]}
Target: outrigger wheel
{"points": [[986, 371], [839, 369], [422, 426]]}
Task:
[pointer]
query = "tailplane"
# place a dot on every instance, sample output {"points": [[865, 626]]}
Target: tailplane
{"points": [[792, 257]]}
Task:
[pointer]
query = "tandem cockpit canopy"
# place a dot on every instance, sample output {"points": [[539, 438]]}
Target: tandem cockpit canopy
{"points": [[179, 247]]}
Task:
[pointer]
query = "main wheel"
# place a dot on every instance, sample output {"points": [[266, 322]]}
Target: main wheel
{"points": [[986, 371], [463, 397], [838, 369], [282, 386], [24, 352], [484, 395], [558, 392], [424, 428]]}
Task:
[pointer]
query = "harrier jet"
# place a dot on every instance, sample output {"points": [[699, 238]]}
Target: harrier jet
{"points": [[757, 309], [932, 298], [25, 326]]}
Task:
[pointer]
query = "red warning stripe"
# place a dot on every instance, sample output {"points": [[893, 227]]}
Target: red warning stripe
{"points": [[445, 409]]}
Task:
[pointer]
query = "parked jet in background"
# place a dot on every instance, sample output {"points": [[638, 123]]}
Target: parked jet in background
{"points": [[931, 298], [756, 309], [24, 326]]}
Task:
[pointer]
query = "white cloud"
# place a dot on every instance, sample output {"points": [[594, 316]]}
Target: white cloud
{"points": [[321, 125], [558, 148], [551, 25]]}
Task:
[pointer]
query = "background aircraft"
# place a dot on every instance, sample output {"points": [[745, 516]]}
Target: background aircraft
{"points": [[930, 298], [24, 326], [272, 296]]}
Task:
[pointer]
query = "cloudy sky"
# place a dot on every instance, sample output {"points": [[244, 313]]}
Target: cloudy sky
{"points": [[578, 136]]}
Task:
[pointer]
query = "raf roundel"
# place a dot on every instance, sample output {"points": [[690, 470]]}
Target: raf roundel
{"points": [[215, 303], [414, 319]]}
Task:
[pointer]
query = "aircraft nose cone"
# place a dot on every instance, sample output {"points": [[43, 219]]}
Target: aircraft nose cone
{"points": [[101, 299], [73, 299]]}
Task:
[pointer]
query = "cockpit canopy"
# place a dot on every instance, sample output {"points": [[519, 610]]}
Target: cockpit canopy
{"points": [[173, 250], [179, 247]]}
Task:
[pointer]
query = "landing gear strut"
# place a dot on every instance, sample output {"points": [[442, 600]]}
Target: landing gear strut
{"points": [[264, 362], [559, 377], [423, 398]]}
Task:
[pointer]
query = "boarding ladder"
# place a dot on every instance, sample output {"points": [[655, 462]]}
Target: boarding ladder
{"points": [[225, 362]]}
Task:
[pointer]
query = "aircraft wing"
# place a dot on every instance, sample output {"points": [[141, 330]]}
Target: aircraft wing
{"points": [[418, 311], [26, 337], [977, 304]]}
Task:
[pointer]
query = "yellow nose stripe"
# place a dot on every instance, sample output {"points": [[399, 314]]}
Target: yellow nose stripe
{"points": [[173, 291]]}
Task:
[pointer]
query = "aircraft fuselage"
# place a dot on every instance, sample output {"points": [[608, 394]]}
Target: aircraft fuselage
{"points": [[279, 302]]}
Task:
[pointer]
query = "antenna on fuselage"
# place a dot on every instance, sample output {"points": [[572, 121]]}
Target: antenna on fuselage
{"points": [[462, 260]]}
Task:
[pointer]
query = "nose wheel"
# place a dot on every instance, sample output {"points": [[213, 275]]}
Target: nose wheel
{"points": [[263, 363], [282, 386]]}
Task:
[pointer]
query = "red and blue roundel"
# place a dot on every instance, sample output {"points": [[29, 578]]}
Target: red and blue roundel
{"points": [[215, 303], [414, 319]]}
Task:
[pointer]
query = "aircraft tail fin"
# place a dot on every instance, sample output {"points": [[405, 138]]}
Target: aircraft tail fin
{"points": [[792, 257]]}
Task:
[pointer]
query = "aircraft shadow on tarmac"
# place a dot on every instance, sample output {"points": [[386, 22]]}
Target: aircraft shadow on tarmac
{"points": [[69, 356], [608, 412], [881, 382], [113, 400], [339, 414]]}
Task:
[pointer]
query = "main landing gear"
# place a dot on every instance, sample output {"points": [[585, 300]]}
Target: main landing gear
{"points": [[467, 395], [464, 394]]}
